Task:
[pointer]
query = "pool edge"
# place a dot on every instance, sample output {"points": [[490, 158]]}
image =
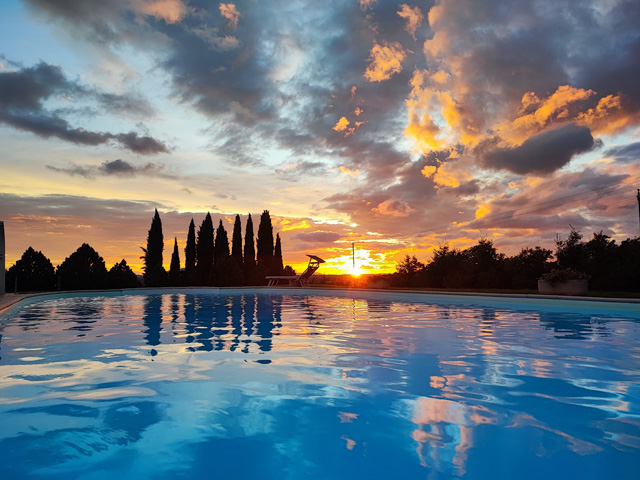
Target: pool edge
{"points": [[11, 301]]}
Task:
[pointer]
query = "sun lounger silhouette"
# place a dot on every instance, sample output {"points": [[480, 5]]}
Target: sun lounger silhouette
{"points": [[301, 280]]}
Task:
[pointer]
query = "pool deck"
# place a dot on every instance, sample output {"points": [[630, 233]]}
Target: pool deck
{"points": [[9, 299]]}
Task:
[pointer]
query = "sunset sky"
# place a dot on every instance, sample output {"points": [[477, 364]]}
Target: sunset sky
{"points": [[397, 126]]}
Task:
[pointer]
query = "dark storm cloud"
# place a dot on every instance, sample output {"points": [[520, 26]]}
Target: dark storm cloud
{"points": [[625, 154], [118, 167], [543, 153], [22, 96]]}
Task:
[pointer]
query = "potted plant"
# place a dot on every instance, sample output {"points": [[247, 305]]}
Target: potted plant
{"points": [[564, 281]]}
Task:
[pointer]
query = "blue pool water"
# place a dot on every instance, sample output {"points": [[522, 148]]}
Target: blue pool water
{"points": [[252, 385]]}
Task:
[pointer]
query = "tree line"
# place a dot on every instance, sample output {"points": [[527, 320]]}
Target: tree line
{"points": [[208, 261], [608, 266]]}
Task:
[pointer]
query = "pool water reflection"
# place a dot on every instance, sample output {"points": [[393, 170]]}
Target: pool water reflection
{"points": [[287, 386]]}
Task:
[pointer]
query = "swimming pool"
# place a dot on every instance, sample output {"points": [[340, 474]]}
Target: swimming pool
{"points": [[297, 385]]}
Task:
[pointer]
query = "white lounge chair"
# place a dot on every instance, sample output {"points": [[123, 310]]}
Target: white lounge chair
{"points": [[301, 280]]}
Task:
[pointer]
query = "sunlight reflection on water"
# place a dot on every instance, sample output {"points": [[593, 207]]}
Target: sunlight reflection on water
{"points": [[300, 386]]}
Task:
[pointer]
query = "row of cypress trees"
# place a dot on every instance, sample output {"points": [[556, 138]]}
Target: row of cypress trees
{"points": [[208, 258]]}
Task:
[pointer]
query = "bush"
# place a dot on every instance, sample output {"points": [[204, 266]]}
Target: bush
{"points": [[562, 275]]}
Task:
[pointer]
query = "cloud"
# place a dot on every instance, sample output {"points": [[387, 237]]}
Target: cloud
{"points": [[23, 94], [318, 237], [351, 173], [625, 154], [135, 105], [367, 4], [139, 144], [394, 208], [384, 61], [487, 86], [555, 108], [544, 153], [171, 11], [299, 169], [341, 125], [413, 16], [118, 167], [231, 13]]}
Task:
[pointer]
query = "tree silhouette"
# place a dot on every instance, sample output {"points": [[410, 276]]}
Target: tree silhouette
{"points": [[204, 250], [154, 272], [265, 242], [527, 267], [627, 266], [485, 265], [33, 271], [608, 266], [570, 253], [236, 243], [408, 271], [221, 250], [174, 269], [84, 269], [249, 258], [190, 255], [278, 266], [121, 276]]}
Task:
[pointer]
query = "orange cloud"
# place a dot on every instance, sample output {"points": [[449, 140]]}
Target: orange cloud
{"points": [[357, 111], [394, 208], [424, 131], [483, 210], [428, 170], [385, 61], [351, 173], [553, 108], [425, 105], [366, 4], [341, 125], [171, 11], [231, 13], [607, 117], [413, 17], [440, 76], [451, 174]]}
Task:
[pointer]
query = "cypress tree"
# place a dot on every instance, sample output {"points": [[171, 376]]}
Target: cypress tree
{"points": [[236, 249], [204, 250], [154, 272], [174, 269], [190, 253], [278, 266], [222, 243], [265, 241], [249, 260]]}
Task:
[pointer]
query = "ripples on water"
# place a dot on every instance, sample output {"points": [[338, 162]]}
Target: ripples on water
{"points": [[309, 387]]}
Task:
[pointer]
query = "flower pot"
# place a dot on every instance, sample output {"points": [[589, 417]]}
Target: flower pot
{"points": [[568, 287]]}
